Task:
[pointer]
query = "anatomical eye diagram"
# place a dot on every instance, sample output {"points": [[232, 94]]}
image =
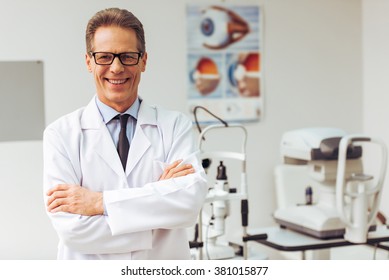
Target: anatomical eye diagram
{"points": [[224, 60], [222, 27]]}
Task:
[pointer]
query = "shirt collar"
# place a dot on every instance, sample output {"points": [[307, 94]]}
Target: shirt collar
{"points": [[109, 113]]}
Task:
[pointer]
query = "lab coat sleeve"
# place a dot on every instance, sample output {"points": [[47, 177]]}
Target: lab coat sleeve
{"points": [[166, 204], [84, 234]]}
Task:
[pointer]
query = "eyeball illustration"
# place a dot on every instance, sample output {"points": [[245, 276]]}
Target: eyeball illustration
{"points": [[245, 74], [221, 27], [206, 76]]}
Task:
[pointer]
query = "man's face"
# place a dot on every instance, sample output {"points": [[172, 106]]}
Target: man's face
{"points": [[116, 84]]}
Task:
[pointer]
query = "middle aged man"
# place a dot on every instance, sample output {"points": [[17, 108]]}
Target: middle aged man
{"points": [[105, 203]]}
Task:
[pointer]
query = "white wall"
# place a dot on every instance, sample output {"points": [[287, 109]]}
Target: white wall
{"points": [[375, 76], [313, 78]]}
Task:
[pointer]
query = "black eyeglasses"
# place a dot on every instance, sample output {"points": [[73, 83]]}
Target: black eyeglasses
{"points": [[126, 58]]}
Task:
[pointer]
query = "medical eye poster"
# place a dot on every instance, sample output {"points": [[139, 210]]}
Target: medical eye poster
{"points": [[224, 69]]}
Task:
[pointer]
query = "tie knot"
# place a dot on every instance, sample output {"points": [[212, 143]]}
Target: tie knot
{"points": [[123, 119]]}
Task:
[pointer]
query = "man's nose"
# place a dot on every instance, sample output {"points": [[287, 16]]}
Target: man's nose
{"points": [[116, 66]]}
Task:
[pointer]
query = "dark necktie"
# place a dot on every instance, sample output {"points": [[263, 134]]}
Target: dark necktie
{"points": [[123, 144]]}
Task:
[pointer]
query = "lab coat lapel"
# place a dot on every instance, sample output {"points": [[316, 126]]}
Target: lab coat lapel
{"points": [[140, 143], [100, 138]]}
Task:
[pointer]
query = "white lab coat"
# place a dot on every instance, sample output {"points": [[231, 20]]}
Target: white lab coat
{"points": [[146, 218]]}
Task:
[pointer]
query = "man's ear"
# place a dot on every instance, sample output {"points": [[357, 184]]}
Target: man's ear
{"points": [[88, 63], [144, 61]]}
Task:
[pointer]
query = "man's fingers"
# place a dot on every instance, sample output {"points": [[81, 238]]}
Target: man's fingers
{"points": [[183, 167], [174, 164], [169, 168], [56, 195], [183, 172], [55, 204], [178, 169], [61, 208], [61, 187], [75, 199], [174, 170]]}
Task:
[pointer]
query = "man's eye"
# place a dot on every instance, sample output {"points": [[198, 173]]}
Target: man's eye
{"points": [[106, 56], [129, 56]]}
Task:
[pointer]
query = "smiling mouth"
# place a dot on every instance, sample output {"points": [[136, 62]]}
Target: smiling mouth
{"points": [[116, 82]]}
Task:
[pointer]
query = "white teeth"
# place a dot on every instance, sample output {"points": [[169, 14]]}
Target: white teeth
{"points": [[117, 82]]}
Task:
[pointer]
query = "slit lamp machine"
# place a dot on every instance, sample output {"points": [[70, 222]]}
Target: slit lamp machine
{"points": [[211, 228], [348, 199]]}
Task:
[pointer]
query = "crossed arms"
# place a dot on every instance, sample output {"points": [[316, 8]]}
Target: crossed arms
{"points": [[75, 199]]}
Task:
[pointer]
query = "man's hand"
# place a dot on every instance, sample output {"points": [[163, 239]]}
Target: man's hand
{"points": [[173, 170], [75, 199]]}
